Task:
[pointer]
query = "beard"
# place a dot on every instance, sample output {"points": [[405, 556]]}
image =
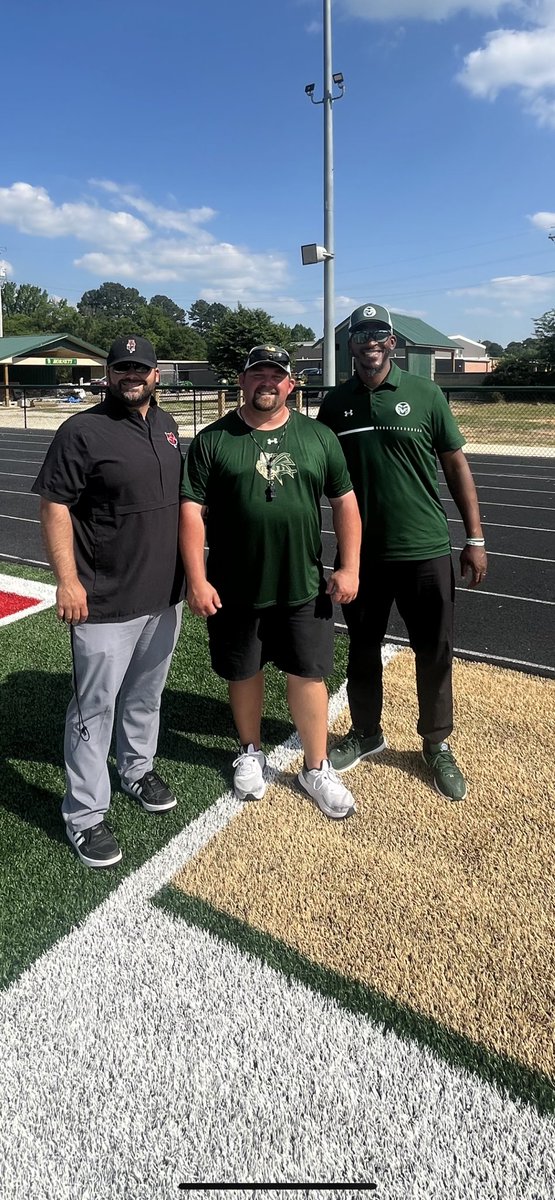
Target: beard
{"points": [[370, 369], [133, 395], [265, 398]]}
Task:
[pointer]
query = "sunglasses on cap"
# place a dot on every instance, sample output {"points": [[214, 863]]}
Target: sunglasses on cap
{"points": [[268, 356], [360, 336], [123, 368]]}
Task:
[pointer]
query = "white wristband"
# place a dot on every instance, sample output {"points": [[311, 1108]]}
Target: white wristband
{"points": [[475, 541]]}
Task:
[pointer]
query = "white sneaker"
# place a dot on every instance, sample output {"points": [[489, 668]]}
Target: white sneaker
{"points": [[248, 781], [327, 791]]}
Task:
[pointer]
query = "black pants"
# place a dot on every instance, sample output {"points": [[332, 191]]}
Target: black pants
{"points": [[424, 593]]}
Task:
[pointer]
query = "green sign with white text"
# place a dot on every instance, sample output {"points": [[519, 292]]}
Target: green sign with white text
{"points": [[61, 362]]}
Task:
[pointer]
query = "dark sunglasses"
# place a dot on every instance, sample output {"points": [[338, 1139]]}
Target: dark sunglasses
{"points": [[360, 336], [125, 367]]}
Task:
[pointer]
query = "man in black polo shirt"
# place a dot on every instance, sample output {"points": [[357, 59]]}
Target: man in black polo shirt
{"points": [[391, 426], [109, 489]]}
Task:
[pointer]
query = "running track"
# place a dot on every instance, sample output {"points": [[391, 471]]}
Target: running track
{"points": [[510, 621]]}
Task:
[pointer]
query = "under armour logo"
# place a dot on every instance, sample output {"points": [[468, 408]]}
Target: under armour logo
{"points": [[272, 441], [348, 412]]}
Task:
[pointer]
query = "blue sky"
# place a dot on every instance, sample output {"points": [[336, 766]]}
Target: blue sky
{"points": [[171, 147]]}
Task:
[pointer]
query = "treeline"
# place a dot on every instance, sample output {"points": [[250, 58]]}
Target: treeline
{"points": [[522, 362], [205, 331]]}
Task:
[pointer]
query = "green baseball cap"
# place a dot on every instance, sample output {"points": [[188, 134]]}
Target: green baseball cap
{"points": [[369, 314]]}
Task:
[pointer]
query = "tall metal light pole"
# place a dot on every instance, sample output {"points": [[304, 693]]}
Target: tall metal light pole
{"points": [[326, 252], [3, 273]]}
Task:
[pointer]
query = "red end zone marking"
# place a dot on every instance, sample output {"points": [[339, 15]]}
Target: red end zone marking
{"points": [[11, 603]]}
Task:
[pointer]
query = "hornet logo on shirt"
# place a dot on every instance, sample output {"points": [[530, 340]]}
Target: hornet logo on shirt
{"points": [[172, 439], [402, 409], [277, 465], [131, 345]]}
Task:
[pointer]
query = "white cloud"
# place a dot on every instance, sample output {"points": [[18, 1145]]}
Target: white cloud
{"points": [[233, 272], [543, 109], [5, 268], [543, 220], [518, 58], [30, 210], [122, 246], [522, 57], [186, 221], [513, 293], [419, 10], [511, 58]]}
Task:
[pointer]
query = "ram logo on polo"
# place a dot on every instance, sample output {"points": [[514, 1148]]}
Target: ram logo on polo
{"points": [[369, 311], [279, 465], [402, 409]]}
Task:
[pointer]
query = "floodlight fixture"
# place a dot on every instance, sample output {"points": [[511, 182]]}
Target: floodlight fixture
{"points": [[314, 254], [325, 254]]}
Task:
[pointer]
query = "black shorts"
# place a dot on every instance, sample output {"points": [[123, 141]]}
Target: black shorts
{"points": [[298, 640]]}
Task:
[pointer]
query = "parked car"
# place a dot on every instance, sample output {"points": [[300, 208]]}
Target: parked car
{"points": [[311, 375], [98, 385]]}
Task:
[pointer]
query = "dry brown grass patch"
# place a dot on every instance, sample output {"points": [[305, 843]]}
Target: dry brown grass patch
{"points": [[446, 908]]}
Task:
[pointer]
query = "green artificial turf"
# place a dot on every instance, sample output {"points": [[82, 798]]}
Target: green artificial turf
{"points": [[516, 1080], [44, 888]]}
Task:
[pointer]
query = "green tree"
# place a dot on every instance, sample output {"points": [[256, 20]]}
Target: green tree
{"points": [[228, 343], [23, 299], [494, 349], [302, 333], [26, 309], [170, 340], [203, 316], [169, 308], [545, 335], [111, 300]]}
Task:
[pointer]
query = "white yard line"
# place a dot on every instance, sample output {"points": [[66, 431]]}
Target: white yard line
{"points": [[141, 1053]]}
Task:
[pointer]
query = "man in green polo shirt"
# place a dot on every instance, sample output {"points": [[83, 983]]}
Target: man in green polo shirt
{"points": [[256, 476], [391, 426]]}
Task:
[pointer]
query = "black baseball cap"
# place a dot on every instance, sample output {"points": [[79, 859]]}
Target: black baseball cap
{"points": [[269, 354], [132, 348]]}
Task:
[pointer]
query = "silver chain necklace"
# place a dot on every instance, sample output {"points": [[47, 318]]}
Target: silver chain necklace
{"points": [[269, 459]]}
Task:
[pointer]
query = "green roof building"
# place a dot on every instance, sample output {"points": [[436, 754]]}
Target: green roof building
{"points": [[417, 343], [35, 359]]}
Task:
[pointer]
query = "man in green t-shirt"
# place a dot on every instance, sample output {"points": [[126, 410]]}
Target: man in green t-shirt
{"points": [[391, 426], [252, 483]]}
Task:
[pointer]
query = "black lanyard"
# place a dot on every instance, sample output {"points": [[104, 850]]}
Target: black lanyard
{"points": [[269, 459]]}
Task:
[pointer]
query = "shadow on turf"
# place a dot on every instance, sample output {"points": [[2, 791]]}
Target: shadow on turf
{"points": [[514, 1078], [410, 762], [196, 731]]}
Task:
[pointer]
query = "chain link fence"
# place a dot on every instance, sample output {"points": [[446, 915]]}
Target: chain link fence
{"points": [[506, 420]]}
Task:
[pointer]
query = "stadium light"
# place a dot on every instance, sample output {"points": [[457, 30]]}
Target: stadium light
{"points": [[326, 253], [314, 254]]}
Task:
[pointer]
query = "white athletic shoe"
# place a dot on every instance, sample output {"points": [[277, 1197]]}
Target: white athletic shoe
{"points": [[328, 792], [248, 780]]}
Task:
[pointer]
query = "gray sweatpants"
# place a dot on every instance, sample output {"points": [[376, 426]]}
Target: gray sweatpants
{"points": [[131, 658]]}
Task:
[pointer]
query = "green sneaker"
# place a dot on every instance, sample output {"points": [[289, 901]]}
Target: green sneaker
{"points": [[449, 781], [355, 746]]}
